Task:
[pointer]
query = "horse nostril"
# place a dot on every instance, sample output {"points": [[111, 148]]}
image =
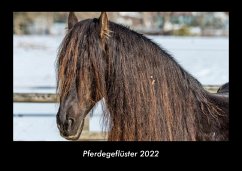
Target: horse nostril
{"points": [[70, 122], [58, 121]]}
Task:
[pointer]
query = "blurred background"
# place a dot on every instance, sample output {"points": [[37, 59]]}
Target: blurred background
{"points": [[197, 40]]}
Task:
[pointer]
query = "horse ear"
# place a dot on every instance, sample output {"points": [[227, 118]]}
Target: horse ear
{"points": [[104, 28], [72, 20]]}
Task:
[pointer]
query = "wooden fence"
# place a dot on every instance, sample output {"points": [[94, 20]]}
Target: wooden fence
{"points": [[86, 135]]}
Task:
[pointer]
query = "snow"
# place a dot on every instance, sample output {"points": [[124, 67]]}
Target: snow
{"points": [[36, 129], [34, 60], [205, 58], [35, 57]]}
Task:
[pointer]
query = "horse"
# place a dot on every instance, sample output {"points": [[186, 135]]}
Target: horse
{"points": [[147, 95]]}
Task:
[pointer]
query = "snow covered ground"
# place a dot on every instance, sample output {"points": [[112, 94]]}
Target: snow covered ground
{"points": [[205, 58]]}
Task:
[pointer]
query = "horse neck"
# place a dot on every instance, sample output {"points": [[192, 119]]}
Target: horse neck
{"points": [[150, 97], [211, 114]]}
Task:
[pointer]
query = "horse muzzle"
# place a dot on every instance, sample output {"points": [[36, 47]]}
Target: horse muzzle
{"points": [[69, 131]]}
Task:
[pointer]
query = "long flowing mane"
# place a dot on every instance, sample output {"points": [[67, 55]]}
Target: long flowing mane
{"points": [[148, 95]]}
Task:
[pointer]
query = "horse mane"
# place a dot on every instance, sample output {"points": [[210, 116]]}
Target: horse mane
{"points": [[148, 95]]}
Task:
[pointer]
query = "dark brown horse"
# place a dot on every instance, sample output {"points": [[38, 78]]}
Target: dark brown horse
{"points": [[148, 95]]}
